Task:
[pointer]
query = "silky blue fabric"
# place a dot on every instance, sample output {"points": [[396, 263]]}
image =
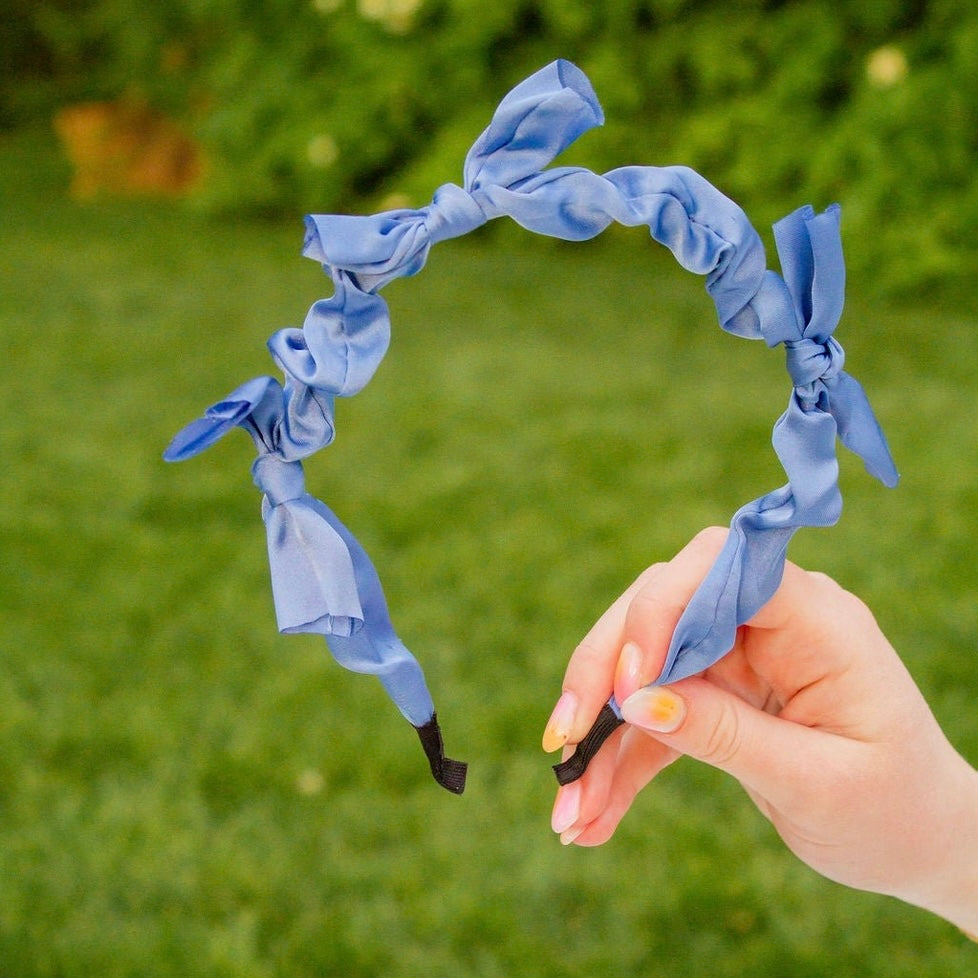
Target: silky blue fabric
{"points": [[323, 581]]}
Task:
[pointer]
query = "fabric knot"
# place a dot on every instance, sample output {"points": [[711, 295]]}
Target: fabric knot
{"points": [[281, 481], [810, 361], [322, 579], [453, 212]]}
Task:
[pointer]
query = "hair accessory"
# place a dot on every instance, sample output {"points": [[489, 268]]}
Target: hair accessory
{"points": [[323, 581]]}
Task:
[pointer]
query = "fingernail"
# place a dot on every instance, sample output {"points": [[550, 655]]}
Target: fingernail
{"points": [[566, 838], [561, 723], [567, 807], [627, 678], [655, 708]]}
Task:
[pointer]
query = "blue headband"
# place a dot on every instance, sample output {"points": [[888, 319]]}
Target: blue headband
{"points": [[323, 580]]}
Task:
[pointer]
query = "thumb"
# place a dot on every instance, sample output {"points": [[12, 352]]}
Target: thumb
{"points": [[773, 757]]}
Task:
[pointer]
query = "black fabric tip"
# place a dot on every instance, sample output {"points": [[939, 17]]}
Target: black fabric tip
{"points": [[575, 765], [448, 773]]}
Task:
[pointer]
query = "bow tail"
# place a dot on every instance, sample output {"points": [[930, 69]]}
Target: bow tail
{"points": [[313, 579], [375, 648], [859, 430]]}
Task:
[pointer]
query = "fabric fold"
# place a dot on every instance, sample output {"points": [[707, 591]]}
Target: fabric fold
{"points": [[341, 343], [825, 400], [313, 578], [533, 124], [322, 579]]}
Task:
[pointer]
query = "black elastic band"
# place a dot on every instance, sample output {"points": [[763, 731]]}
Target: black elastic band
{"points": [[448, 773], [575, 765]]}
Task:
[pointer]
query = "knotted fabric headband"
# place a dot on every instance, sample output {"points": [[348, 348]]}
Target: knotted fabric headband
{"points": [[322, 579]]}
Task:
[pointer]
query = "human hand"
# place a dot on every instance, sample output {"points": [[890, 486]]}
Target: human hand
{"points": [[812, 711]]}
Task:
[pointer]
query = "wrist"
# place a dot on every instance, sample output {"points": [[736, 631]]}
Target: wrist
{"points": [[954, 895]]}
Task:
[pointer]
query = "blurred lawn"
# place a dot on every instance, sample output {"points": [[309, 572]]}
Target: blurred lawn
{"points": [[185, 792]]}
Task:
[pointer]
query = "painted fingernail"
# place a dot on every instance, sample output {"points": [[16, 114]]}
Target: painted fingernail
{"points": [[561, 723], [567, 807], [655, 708], [627, 672]]}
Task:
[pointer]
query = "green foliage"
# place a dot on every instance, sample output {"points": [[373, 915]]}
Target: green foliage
{"points": [[184, 792], [350, 104]]}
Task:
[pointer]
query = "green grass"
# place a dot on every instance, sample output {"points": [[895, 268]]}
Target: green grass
{"points": [[184, 792]]}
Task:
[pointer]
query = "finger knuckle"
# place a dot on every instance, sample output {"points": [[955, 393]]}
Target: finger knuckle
{"points": [[828, 593], [650, 622], [710, 538], [650, 575], [587, 654], [723, 739]]}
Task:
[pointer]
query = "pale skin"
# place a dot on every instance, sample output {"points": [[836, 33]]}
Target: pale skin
{"points": [[813, 712]]}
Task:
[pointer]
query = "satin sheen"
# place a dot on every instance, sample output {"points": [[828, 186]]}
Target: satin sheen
{"points": [[322, 579]]}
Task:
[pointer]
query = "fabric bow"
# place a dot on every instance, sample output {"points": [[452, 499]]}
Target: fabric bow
{"points": [[824, 402], [534, 123], [801, 311], [323, 581]]}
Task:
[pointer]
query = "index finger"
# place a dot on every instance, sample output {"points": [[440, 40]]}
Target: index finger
{"points": [[650, 607]]}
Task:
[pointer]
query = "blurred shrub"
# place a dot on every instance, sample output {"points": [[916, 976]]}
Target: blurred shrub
{"points": [[127, 148], [344, 104]]}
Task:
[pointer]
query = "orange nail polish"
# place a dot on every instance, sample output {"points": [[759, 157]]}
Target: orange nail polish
{"points": [[561, 722], [655, 708]]}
